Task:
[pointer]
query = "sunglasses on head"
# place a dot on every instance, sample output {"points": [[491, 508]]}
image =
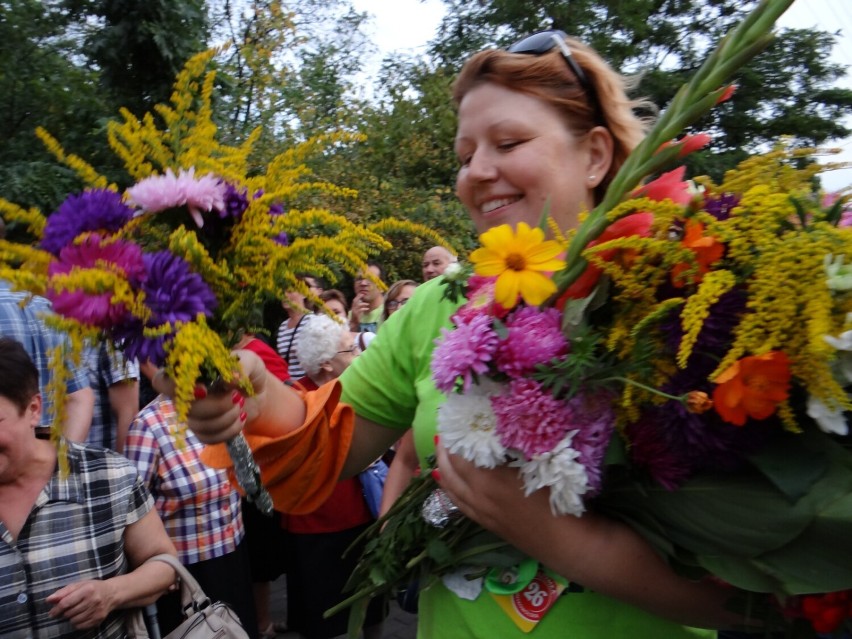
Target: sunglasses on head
{"points": [[544, 41]]}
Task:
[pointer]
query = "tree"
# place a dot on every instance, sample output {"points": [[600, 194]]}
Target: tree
{"points": [[139, 46], [42, 80]]}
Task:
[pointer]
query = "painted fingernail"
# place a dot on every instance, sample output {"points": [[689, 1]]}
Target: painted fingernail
{"points": [[436, 439], [242, 401], [243, 416], [236, 396], [200, 392], [436, 475]]}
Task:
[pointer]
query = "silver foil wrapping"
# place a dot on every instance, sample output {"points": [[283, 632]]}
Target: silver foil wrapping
{"points": [[438, 510], [248, 474]]}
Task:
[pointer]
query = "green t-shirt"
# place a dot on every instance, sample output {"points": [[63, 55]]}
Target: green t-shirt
{"points": [[391, 384]]}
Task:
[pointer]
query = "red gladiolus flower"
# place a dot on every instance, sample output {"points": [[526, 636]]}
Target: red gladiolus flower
{"points": [[726, 95], [635, 224], [752, 387], [670, 186], [688, 143], [707, 251]]}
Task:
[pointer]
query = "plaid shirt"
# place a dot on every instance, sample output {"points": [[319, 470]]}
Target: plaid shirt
{"points": [[74, 532], [26, 326], [200, 510], [106, 368]]}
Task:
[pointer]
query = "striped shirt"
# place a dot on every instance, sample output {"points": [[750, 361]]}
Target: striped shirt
{"points": [[286, 346], [26, 326], [74, 532], [198, 506]]}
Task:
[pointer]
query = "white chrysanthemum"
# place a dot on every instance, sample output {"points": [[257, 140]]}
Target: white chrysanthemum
{"points": [[467, 427], [830, 420], [561, 471]]}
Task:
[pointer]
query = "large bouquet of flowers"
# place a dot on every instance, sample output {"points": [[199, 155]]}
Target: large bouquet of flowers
{"points": [[684, 368], [175, 269]]}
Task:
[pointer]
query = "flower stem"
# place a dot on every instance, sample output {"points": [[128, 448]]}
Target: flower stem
{"points": [[645, 387]]}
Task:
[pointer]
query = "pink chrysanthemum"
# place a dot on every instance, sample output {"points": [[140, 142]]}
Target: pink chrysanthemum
{"points": [[530, 419], [480, 300], [160, 192], [96, 309], [535, 337], [463, 352]]}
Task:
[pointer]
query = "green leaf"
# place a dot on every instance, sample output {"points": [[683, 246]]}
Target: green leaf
{"points": [[783, 463]]}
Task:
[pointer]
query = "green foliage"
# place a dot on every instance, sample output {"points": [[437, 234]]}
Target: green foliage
{"points": [[141, 45]]}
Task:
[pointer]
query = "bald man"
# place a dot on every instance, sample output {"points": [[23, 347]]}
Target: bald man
{"points": [[435, 262]]}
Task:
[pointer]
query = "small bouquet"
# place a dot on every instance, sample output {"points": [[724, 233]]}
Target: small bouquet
{"points": [[683, 369], [175, 269]]}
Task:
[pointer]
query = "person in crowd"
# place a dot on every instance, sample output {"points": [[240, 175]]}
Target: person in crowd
{"points": [[367, 307], [543, 125], [115, 382], [298, 312], [316, 542], [72, 545], [25, 324], [200, 510], [396, 297], [264, 539], [335, 301], [435, 262]]}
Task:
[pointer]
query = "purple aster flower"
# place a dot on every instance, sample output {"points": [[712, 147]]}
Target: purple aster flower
{"points": [[652, 451], [593, 418], [95, 210], [235, 202], [463, 352], [721, 206], [535, 337], [530, 419], [96, 309], [173, 293]]}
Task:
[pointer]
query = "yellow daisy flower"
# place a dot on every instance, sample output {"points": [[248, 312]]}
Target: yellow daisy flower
{"points": [[521, 262]]}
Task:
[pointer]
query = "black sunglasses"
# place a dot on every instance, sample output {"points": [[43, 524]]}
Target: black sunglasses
{"points": [[544, 41]]}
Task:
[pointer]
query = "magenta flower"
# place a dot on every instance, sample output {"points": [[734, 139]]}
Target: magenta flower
{"points": [[96, 309], [161, 192], [535, 337], [95, 210], [464, 351], [530, 419]]}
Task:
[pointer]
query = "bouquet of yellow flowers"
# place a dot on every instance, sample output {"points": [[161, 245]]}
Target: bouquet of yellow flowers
{"points": [[683, 368], [175, 269]]}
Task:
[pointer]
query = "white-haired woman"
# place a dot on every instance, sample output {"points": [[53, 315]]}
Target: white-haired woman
{"points": [[315, 543]]}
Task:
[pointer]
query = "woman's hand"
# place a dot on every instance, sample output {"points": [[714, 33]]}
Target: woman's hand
{"points": [[84, 603], [218, 414], [597, 552]]}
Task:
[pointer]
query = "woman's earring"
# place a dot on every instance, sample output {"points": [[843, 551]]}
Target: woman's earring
{"points": [[592, 178]]}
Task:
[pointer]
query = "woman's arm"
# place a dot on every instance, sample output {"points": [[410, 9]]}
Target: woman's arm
{"points": [[87, 603], [597, 552]]}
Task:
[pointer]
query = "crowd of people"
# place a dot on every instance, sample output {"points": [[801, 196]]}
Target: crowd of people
{"points": [[543, 125], [130, 456]]}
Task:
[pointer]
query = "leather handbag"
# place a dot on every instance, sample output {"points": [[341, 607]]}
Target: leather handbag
{"points": [[203, 619]]}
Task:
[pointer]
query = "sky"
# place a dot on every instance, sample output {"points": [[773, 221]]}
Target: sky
{"points": [[407, 25]]}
